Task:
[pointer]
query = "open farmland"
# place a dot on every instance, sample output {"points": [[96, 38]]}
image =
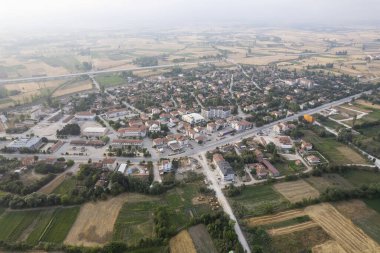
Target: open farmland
{"points": [[296, 191], [74, 87], [341, 229], [256, 199], [362, 216], [276, 218], [361, 177], [202, 239], [292, 228], [329, 180], [182, 243], [328, 247], [92, 232], [13, 224]]}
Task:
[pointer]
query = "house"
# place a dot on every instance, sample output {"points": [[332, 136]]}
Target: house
{"points": [[261, 171], [312, 159], [94, 131], [241, 125], [109, 163], [85, 116], [175, 146], [28, 161], [211, 127], [272, 170], [153, 126], [280, 128], [122, 168], [132, 132], [306, 145], [33, 143], [224, 168], [165, 166], [160, 142], [285, 142], [123, 143]]}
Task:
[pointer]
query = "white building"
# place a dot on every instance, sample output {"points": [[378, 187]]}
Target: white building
{"points": [[122, 168], [85, 116], [165, 166], [132, 132], [224, 168], [94, 131], [116, 113], [216, 112], [33, 143], [193, 118]]}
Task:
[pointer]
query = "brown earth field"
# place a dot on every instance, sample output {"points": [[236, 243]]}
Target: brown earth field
{"points": [[95, 221], [182, 243], [296, 191], [351, 238], [268, 219], [49, 188]]}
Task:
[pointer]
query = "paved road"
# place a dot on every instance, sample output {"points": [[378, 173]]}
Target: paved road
{"points": [[91, 73], [223, 201]]}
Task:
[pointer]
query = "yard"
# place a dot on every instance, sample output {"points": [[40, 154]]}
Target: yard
{"points": [[335, 152]]}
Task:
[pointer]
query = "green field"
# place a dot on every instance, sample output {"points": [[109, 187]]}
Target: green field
{"points": [[360, 177], [374, 204], [42, 222], [256, 198], [328, 122], [287, 167], [13, 224], [60, 225], [135, 220], [66, 186], [110, 80], [335, 152], [329, 180]]}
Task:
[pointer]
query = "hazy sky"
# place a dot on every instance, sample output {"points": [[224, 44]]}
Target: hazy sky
{"points": [[114, 14]]}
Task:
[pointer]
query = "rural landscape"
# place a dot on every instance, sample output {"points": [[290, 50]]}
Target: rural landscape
{"points": [[136, 128]]}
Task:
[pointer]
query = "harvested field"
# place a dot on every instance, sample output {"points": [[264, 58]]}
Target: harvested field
{"points": [[283, 216], [202, 239], [292, 229], [95, 221], [73, 88], [182, 243], [296, 191], [367, 104], [328, 247], [341, 229], [364, 217]]}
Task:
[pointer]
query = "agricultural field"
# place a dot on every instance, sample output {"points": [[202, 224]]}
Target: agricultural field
{"points": [[361, 177], [46, 225], [202, 239], [182, 243], [67, 184], [88, 231], [335, 152], [329, 180], [73, 87], [257, 199], [362, 216], [373, 203], [351, 238], [110, 80], [296, 191], [135, 219]]}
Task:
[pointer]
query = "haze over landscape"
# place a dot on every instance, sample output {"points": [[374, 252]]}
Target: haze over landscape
{"points": [[180, 126]]}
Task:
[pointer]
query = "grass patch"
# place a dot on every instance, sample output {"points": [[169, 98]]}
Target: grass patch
{"points": [[60, 225], [66, 186], [287, 167], [374, 204], [362, 177], [256, 198], [110, 80]]}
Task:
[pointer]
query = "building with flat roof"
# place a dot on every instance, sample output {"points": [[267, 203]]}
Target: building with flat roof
{"points": [[94, 131], [193, 118], [85, 116], [224, 167], [33, 143]]}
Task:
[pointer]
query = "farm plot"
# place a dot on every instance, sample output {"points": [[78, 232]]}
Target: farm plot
{"points": [[328, 247], [73, 88], [182, 243], [361, 177], [202, 239], [329, 180], [14, 223], [296, 191], [268, 219], [362, 216], [257, 198], [90, 231], [341, 229], [292, 228]]}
